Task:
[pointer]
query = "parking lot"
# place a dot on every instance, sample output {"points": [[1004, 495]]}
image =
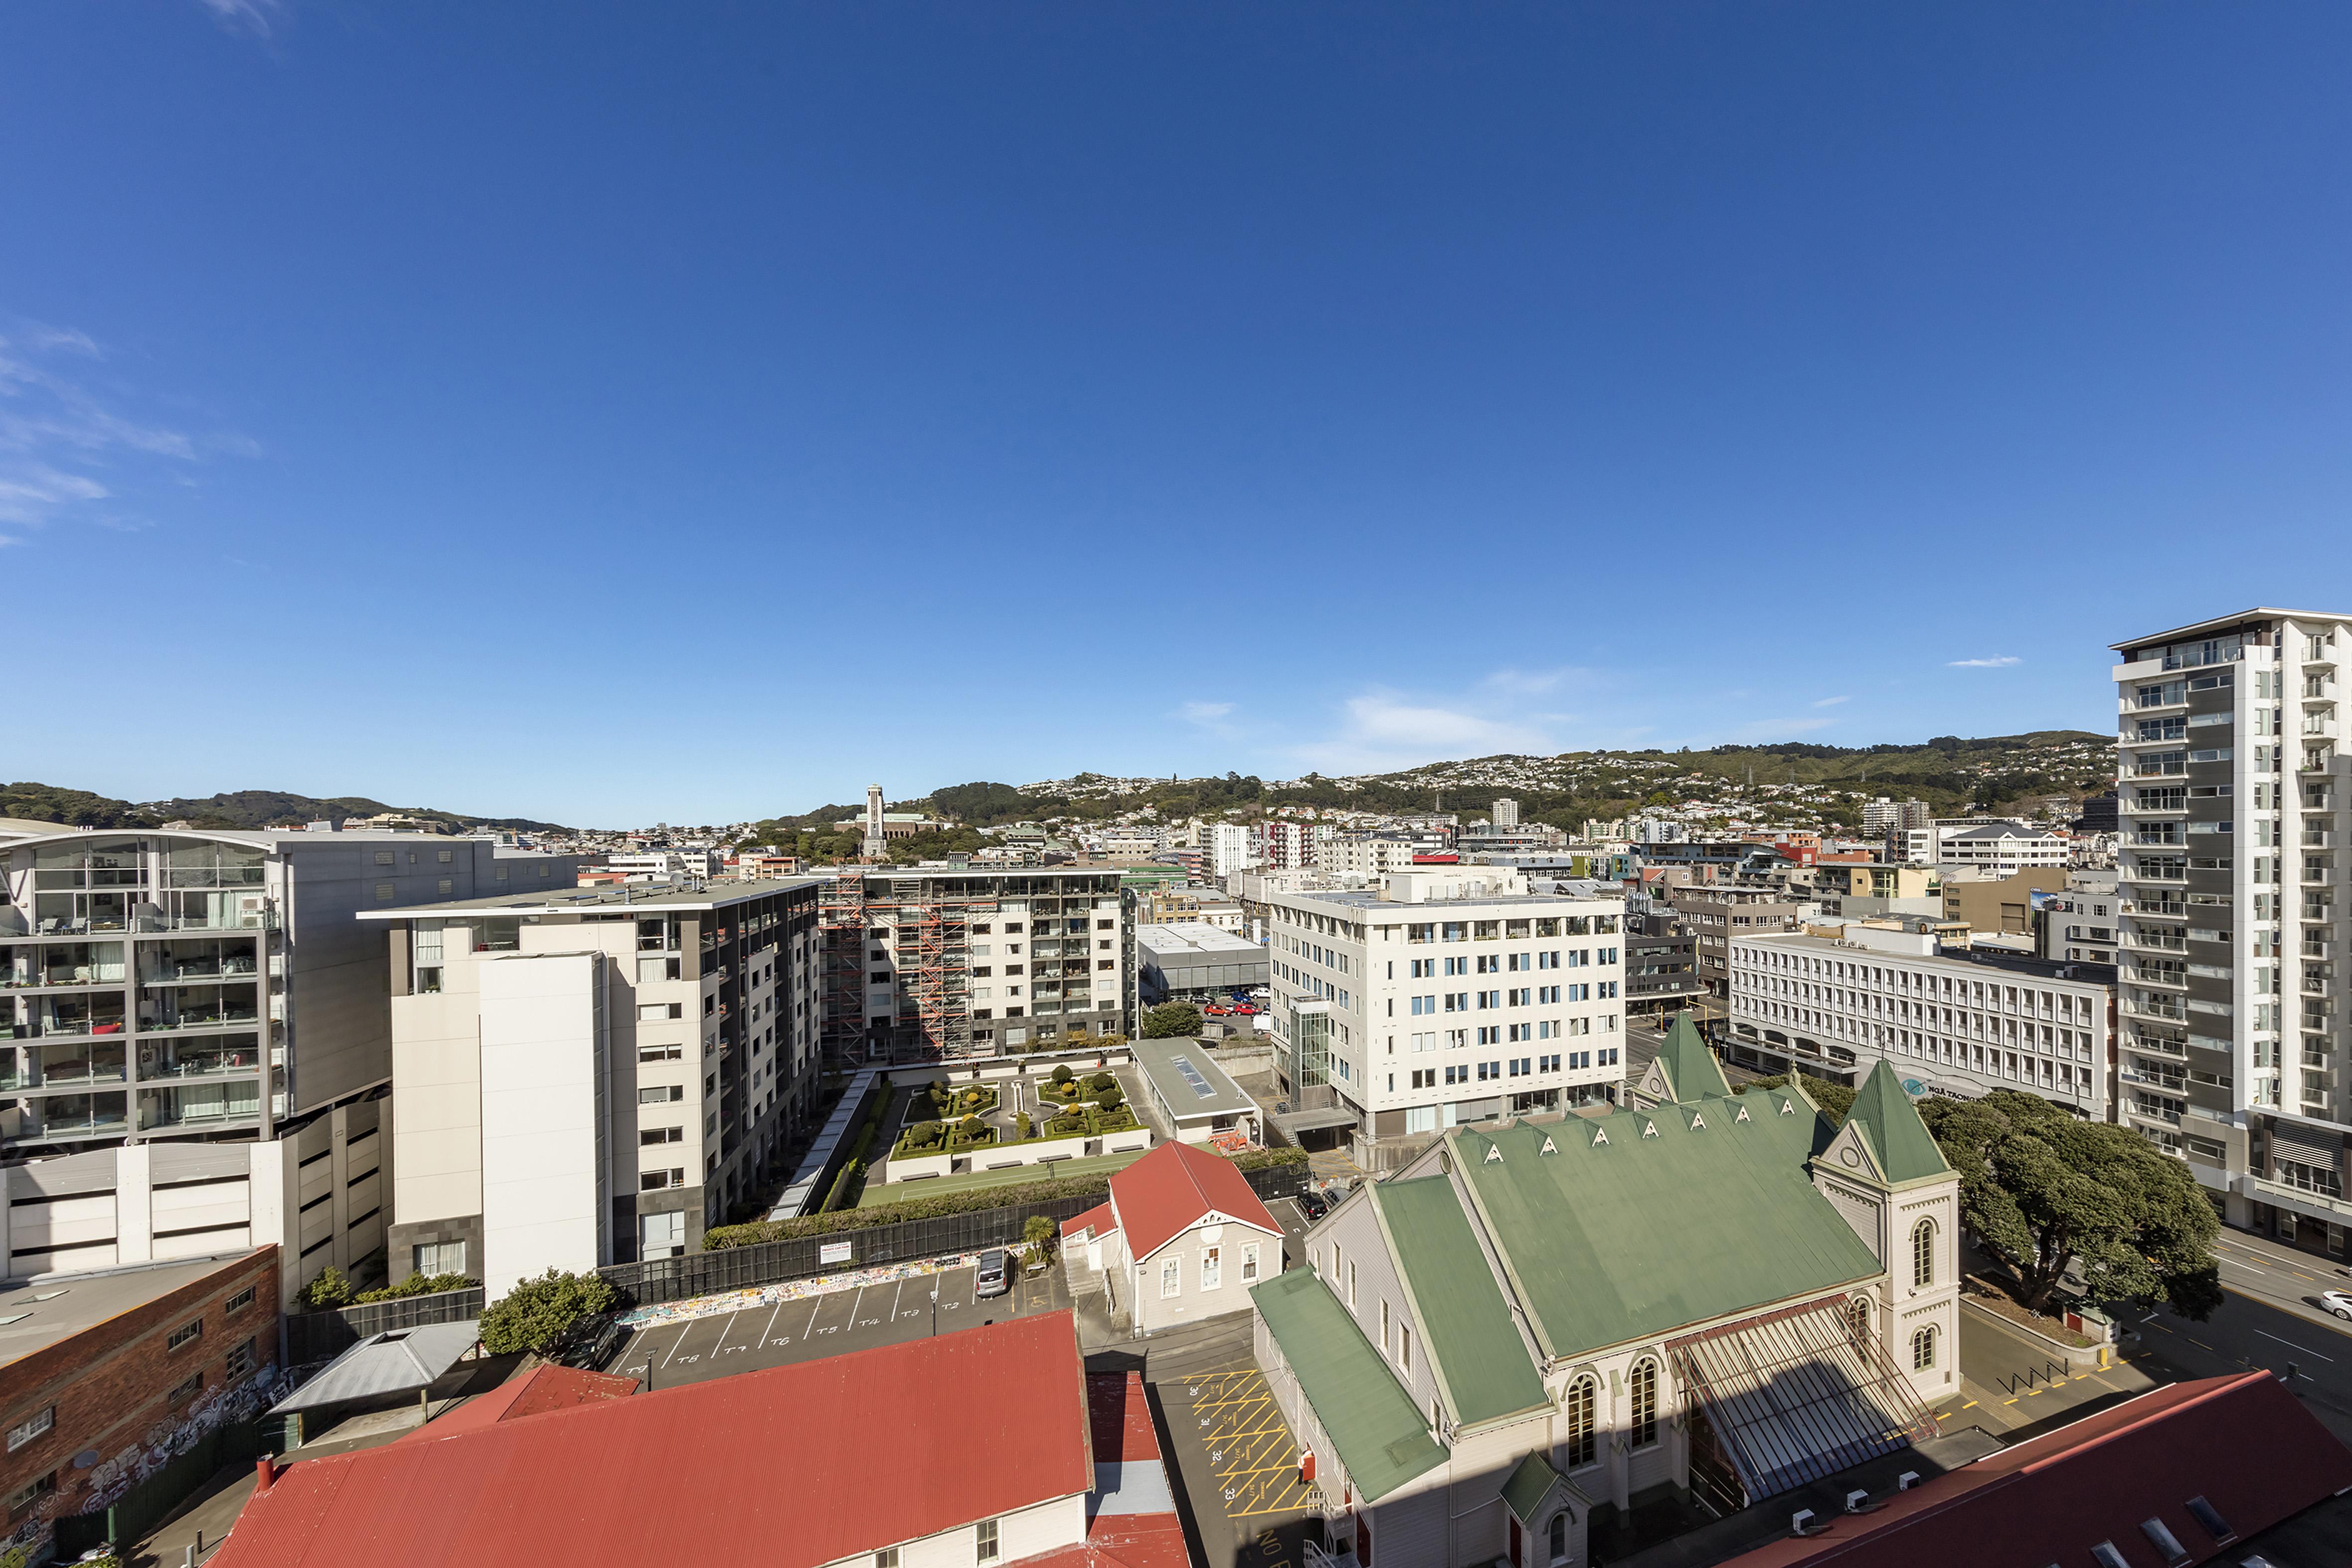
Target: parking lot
{"points": [[782, 1332]]}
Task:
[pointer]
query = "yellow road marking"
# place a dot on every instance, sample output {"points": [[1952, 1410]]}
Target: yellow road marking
{"points": [[1972, 1404], [2009, 1402]]}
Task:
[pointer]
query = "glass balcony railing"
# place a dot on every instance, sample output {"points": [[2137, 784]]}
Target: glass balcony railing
{"points": [[201, 1105], [68, 1116]]}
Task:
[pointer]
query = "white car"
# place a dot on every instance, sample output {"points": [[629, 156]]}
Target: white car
{"points": [[2338, 1302]]}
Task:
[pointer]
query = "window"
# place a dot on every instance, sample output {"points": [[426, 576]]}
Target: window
{"points": [[1923, 1348], [1555, 1537], [27, 1430], [1172, 1276], [1923, 1254], [189, 1389], [2208, 1516], [647, 1136], [985, 1539], [185, 1334], [1351, 1280], [661, 1052], [31, 1493], [1645, 1404], [240, 1302], [654, 1012], [240, 1362], [1212, 1268], [887, 1558], [1857, 1313], [384, 892], [2160, 1535], [1578, 1409], [656, 1180], [1249, 1262], [661, 1235], [440, 1258], [661, 1094]]}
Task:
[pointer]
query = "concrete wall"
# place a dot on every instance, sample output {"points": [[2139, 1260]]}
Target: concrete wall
{"points": [[544, 1180]]}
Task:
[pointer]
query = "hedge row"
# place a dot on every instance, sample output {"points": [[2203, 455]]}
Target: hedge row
{"points": [[853, 1169], [721, 1238]]}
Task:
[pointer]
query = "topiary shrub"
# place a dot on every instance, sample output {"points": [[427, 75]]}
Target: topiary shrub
{"points": [[1109, 1098], [540, 1314], [1062, 1074]]}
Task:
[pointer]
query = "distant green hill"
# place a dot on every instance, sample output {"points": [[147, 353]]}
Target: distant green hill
{"points": [[238, 808]]}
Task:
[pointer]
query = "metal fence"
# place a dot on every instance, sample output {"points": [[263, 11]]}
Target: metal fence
{"points": [[742, 1267], [138, 1511], [321, 1336]]}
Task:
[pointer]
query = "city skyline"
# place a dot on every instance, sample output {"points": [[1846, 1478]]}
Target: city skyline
{"points": [[467, 361]]}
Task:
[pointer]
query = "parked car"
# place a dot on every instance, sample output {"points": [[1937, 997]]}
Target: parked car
{"points": [[1215, 1010], [2338, 1302], [996, 1275], [1313, 1204]]}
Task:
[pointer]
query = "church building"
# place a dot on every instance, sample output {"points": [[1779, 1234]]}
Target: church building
{"points": [[1720, 1294]]}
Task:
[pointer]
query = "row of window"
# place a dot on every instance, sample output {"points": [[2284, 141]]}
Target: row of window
{"points": [[1506, 962], [1521, 997], [1211, 1269]]}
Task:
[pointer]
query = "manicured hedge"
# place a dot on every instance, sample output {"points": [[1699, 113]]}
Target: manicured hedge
{"points": [[846, 1185], [721, 1237]]}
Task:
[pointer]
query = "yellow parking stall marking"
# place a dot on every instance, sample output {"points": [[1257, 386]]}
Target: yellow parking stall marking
{"points": [[1972, 1404]]}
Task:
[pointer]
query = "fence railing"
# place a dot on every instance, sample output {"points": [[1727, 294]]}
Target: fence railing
{"points": [[768, 1262], [321, 1336]]}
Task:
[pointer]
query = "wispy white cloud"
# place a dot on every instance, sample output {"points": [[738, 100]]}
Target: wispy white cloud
{"points": [[1203, 712], [1381, 729], [2003, 661], [1832, 702], [254, 16], [67, 450]]}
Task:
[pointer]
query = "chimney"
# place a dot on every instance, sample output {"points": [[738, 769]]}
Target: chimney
{"points": [[265, 1474]]}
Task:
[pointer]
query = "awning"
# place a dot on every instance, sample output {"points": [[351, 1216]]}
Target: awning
{"points": [[1795, 1395], [1313, 1120], [399, 1362]]}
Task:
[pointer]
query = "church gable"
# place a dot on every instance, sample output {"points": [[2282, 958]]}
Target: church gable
{"points": [[1849, 1154]]}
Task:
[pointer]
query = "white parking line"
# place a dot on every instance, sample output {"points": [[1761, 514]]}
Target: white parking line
{"points": [[852, 1325], [681, 1340], [772, 1323], [810, 1327], [894, 1299], [2293, 1346]]}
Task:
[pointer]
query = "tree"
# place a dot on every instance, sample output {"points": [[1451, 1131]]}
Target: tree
{"points": [[1834, 1099], [1040, 1233], [2046, 1193], [1062, 1073], [1109, 1098], [1170, 1019], [537, 1315]]}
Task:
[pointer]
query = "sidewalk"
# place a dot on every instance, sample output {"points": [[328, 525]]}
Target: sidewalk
{"points": [[2011, 1386]]}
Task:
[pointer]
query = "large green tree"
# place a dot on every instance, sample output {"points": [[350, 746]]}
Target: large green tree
{"points": [[538, 1314], [1171, 1019], [2045, 1193]]}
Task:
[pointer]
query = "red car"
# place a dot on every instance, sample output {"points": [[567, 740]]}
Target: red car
{"points": [[1214, 1011]]}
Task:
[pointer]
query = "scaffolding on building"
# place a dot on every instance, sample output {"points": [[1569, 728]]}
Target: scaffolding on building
{"points": [[930, 1018]]}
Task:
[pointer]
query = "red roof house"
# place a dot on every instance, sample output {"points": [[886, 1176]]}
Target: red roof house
{"points": [[1183, 1238], [931, 1440], [2183, 1475]]}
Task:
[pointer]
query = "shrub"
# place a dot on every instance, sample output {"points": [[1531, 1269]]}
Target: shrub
{"points": [[416, 1285], [1108, 1098], [1062, 1074], [1022, 1125], [972, 1200], [922, 1135], [1171, 1019], [1068, 1124], [838, 1196], [540, 1314], [1102, 1081], [328, 1290]]}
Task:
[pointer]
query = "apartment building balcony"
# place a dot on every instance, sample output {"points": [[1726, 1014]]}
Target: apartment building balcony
{"points": [[2177, 978], [2317, 759], [201, 1105], [59, 1117], [71, 1015], [2155, 941], [2166, 908], [2316, 688], [204, 1013], [62, 1066], [2155, 1045], [2164, 1008], [206, 1058]]}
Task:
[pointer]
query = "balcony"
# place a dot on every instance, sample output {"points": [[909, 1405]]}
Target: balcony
{"points": [[201, 1062], [70, 1116], [2167, 1009], [205, 1105]]}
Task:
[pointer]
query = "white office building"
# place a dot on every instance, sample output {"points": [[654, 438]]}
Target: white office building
{"points": [[594, 1076], [1445, 996], [2001, 847], [1233, 848], [1506, 812], [1950, 1024], [2230, 796], [2078, 925]]}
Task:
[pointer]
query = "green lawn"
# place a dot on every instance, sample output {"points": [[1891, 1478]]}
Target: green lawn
{"points": [[876, 1194]]}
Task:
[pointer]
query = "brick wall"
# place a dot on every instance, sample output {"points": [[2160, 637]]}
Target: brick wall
{"points": [[118, 1387]]}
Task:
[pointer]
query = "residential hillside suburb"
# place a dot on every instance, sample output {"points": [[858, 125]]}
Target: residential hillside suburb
{"points": [[1407, 1169]]}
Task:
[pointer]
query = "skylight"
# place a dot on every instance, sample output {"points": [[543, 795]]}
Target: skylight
{"points": [[2161, 1537], [2205, 1514]]}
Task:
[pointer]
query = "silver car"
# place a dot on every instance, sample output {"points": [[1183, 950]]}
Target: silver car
{"points": [[996, 1275], [2337, 1301]]}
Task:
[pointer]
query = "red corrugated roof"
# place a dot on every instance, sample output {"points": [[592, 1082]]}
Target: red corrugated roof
{"points": [[1120, 1418], [1124, 1439], [1100, 1220], [814, 1462], [1167, 1192], [542, 1389], [2243, 1442]]}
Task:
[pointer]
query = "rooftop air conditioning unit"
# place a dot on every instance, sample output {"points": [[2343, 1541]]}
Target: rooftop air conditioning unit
{"points": [[1801, 1522]]}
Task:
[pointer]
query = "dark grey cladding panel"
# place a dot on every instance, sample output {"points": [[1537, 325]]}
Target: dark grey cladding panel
{"points": [[2208, 1097], [2208, 988]]}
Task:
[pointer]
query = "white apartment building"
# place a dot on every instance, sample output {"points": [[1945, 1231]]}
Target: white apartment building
{"points": [[1996, 846], [1950, 1025], [593, 1076], [2231, 792], [1289, 846], [663, 864], [1445, 996], [1506, 812], [2078, 925], [1367, 856], [1233, 848]]}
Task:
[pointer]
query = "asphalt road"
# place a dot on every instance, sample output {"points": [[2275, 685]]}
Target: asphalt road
{"points": [[2269, 1317], [664, 1355], [1642, 1044]]}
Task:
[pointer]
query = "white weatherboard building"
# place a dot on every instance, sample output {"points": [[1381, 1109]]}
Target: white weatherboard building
{"points": [[1447, 995], [1955, 1027], [592, 1077], [2231, 791]]}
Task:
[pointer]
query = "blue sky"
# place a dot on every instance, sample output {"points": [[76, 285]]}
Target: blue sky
{"points": [[615, 413]]}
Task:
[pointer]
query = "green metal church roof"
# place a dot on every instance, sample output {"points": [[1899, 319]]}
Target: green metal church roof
{"points": [[1471, 1340], [1692, 1070], [1907, 1151], [1644, 1222], [1382, 1440]]}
